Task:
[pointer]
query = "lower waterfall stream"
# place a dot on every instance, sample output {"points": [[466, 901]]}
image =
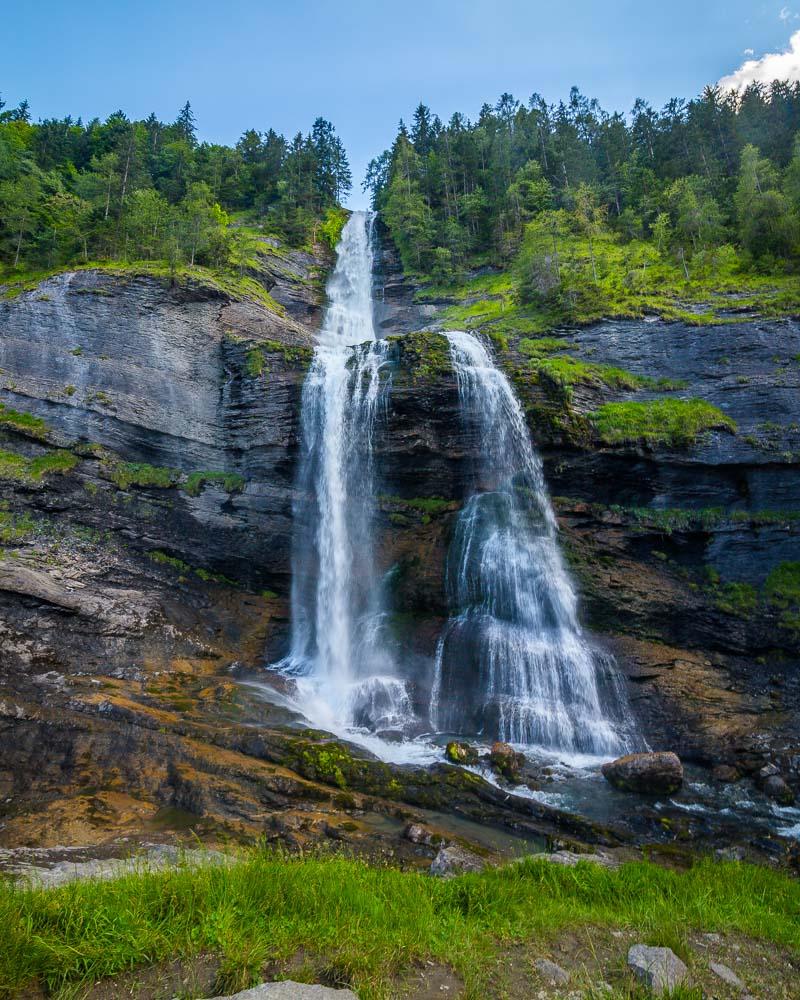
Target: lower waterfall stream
{"points": [[512, 662], [515, 631]]}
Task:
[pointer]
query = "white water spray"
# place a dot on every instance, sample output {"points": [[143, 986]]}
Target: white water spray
{"points": [[512, 661]]}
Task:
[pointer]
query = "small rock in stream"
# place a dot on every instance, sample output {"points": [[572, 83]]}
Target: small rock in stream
{"points": [[506, 761], [461, 753]]}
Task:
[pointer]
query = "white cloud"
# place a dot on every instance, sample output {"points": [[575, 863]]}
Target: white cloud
{"points": [[749, 52], [772, 66], [785, 14]]}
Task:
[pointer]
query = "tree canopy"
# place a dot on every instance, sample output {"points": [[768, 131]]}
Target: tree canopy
{"points": [[723, 168], [131, 190]]}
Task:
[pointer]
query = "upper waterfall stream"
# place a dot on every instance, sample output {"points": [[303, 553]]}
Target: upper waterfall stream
{"points": [[344, 672], [511, 662]]}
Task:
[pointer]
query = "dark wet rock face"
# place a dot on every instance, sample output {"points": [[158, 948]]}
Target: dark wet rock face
{"points": [[181, 379]]}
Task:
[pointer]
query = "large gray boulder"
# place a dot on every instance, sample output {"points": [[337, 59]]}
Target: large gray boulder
{"points": [[290, 991], [659, 969], [646, 773]]}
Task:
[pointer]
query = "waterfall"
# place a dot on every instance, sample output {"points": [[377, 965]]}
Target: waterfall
{"points": [[512, 661], [340, 656]]}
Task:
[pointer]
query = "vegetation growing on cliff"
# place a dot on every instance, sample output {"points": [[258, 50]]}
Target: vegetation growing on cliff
{"points": [[125, 190], [367, 926], [231, 482], [597, 214], [675, 422], [22, 469]]}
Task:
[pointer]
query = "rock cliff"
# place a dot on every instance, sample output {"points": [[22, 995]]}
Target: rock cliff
{"points": [[149, 438]]}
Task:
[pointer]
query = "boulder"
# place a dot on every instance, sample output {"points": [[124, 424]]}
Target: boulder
{"points": [[288, 990], [504, 759], [461, 753], [455, 860], [777, 789], [726, 774], [418, 834], [659, 969], [646, 773]]}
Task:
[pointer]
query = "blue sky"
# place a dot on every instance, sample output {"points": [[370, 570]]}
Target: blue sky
{"points": [[363, 65]]}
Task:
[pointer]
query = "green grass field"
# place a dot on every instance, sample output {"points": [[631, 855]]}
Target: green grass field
{"points": [[365, 925]]}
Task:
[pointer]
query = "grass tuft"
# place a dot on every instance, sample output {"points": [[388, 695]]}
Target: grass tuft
{"points": [[674, 422]]}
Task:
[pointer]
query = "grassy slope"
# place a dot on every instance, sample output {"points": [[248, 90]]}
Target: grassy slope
{"points": [[634, 280], [366, 924]]}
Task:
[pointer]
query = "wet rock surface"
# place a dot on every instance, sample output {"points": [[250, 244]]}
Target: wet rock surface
{"points": [[645, 773]]}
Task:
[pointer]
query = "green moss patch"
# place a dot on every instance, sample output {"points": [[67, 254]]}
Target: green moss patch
{"points": [[255, 362], [231, 482], [416, 508], [674, 422], [27, 423], [127, 474], [782, 590], [426, 356], [22, 469], [184, 569]]}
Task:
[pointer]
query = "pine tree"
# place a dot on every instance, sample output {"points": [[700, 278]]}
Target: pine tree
{"points": [[185, 124]]}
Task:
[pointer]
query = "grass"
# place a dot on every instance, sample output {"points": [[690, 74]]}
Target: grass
{"points": [[231, 482], [364, 925], [15, 527], [674, 422], [536, 347], [27, 423], [679, 520], [19, 468], [229, 283], [566, 371], [127, 474]]}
